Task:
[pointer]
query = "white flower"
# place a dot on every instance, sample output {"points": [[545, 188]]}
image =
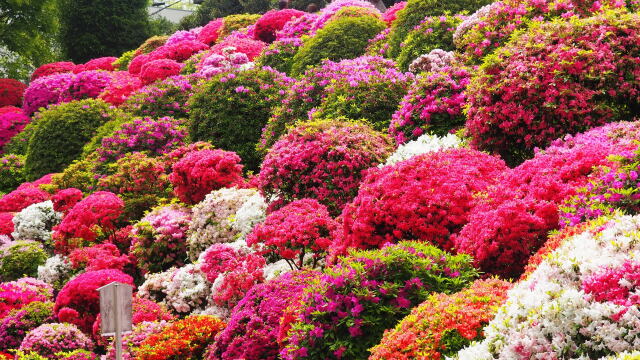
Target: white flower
{"points": [[35, 222], [252, 212], [55, 270], [422, 145]]}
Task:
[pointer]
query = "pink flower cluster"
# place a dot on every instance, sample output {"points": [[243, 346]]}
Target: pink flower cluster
{"points": [[158, 70], [391, 14], [122, 85], [163, 98], [102, 63], [252, 48], [49, 339], [16, 294], [200, 172], [209, 33], [11, 123], [25, 195], [98, 257], [273, 21]]}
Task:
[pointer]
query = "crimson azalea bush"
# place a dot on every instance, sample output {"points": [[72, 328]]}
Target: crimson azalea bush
{"points": [[453, 178], [346, 311], [11, 92], [6, 224], [90, 220], [180, 50], [21, 258], [210, 33], [47, 340], [231, 109], [252, 48], [508, 115], [273, 21], [11, 172], [26, 194], [200, 172], [101, 63], [315, 85], [433, 32], [254, 321], [158, 70], [79, 303], [302, 227], [11, 123], [163, 98], [15, 326], [64, 200], [160, 238], [434, 104], [184, 339], [122, 85], [52, 68], [443, 324], [323, 161], [98, 257]]}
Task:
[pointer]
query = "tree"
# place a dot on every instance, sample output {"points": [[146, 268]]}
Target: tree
{"points": [[28, 29], [96, 28]]}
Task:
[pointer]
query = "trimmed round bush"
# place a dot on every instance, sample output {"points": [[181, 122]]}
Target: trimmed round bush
{"points": [[433, 32], [78, 302], [443, 324], [256, 319], [231, 109], [346, 312], [49, 339], [433, 105], [343, 38], [61, 133], [251, 48], [15, 326], [511, 109], [453, 178], [45, 91], [210, 33], [416, 10], [11, 92], [21, 259], [279, 54], [323, 161], [200, 172]]}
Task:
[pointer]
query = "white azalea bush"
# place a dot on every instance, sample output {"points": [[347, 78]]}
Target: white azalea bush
{"points": [[580, 302], [424, 144], [55, 271], [183, 290], [35, 222]]}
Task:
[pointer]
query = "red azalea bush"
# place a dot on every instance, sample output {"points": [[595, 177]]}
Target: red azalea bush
{"points": [[9, 109], [444, 324], [548, 82], [11, 92], [101, 63], [200, 172], [184, 339], [137, 62], [391, 14], [53, 68], [273, 21], [121, 86], [64, 200], [79, 303], [302, 227], [6, 223], [434, 104], [252, 48], [428, 198], [98, 257], [323, 161], [90, 219], [176, 155], [209, 33], [158, 70], [25, 195], [11, 123], [254, 321], [180, 51]]}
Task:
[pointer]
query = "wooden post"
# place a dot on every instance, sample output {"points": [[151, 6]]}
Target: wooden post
{"points": [[116, 312], [117, 323]]}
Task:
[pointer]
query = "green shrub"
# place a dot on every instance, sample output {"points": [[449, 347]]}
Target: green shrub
{"points": [[151, 44], [416, 10], [123, 61], [19, 144], [11, 172], [231, 109], [81, 174], [103, 131], [21, 258], [232, 23], [61, 133], [163, 98], [279, 54], [344, 38], [434, 32]]}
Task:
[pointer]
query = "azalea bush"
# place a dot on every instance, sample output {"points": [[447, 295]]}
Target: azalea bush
{"points": [[163, 98], [49, 339], [15, 326], [182, 290], [21, 259], [302, 227], [444, 323], [231, 109], [122, 85], [158, 70], [98, 257], [53, 68], [26, 194], [45, 91], [11, 93], [11, 123], [505, 124], [35, 222], [200, 172], [424, 144], [251, 48], [346, 311], [11, 172], [323, 161], [272, 21], [15, 295]]}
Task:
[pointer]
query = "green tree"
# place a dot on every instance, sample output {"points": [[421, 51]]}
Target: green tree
{"points": [[28, 30], [96, 28]]}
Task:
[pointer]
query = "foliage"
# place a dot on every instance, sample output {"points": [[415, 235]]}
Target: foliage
{"points": [[11, 172], [21, 259]]}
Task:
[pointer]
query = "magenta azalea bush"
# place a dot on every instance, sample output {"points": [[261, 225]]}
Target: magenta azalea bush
{"points": [[49, 339]]}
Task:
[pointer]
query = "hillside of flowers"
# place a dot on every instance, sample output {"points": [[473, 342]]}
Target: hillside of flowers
{"points": [[447, 179]]}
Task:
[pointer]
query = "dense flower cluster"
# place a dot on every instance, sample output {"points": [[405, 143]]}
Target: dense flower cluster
{"points": [[35, 222], [443, 324], [52, 68], [273, 21], [49, 339], [18, 323], [434, 215], [86, 84], [45, 91], [209, 33], [122, 85], [11, 92], [102, 63], [228, 60], [11, 123], [249, 47], [322, 161], [164, 98], [303, 227], [158, 70], [200, 172], [346, 312], [183, 290], [98, 257], [433, 105], [423, 145], [15, 295], [435, 61]]}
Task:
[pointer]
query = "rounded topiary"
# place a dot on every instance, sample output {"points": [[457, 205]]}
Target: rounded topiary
{"points": [[11, 172], [235, 22], [416, 10], [61, 133], [231, 109], [557, 78], [21, 258], [433, 32], [343, 38]]}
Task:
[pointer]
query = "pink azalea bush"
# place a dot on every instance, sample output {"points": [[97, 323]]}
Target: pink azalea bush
{"points": [[209, 33], [163, 98], [15, 295], [122, 85], [15, 326], [252, 48], [98, 257], [86, 84], [11, 123], [273, 21], [200, 172], [52, 68], [391, 14], [45, 91], [302, 227], [25, 195], [49, 339], [323, 161]]}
